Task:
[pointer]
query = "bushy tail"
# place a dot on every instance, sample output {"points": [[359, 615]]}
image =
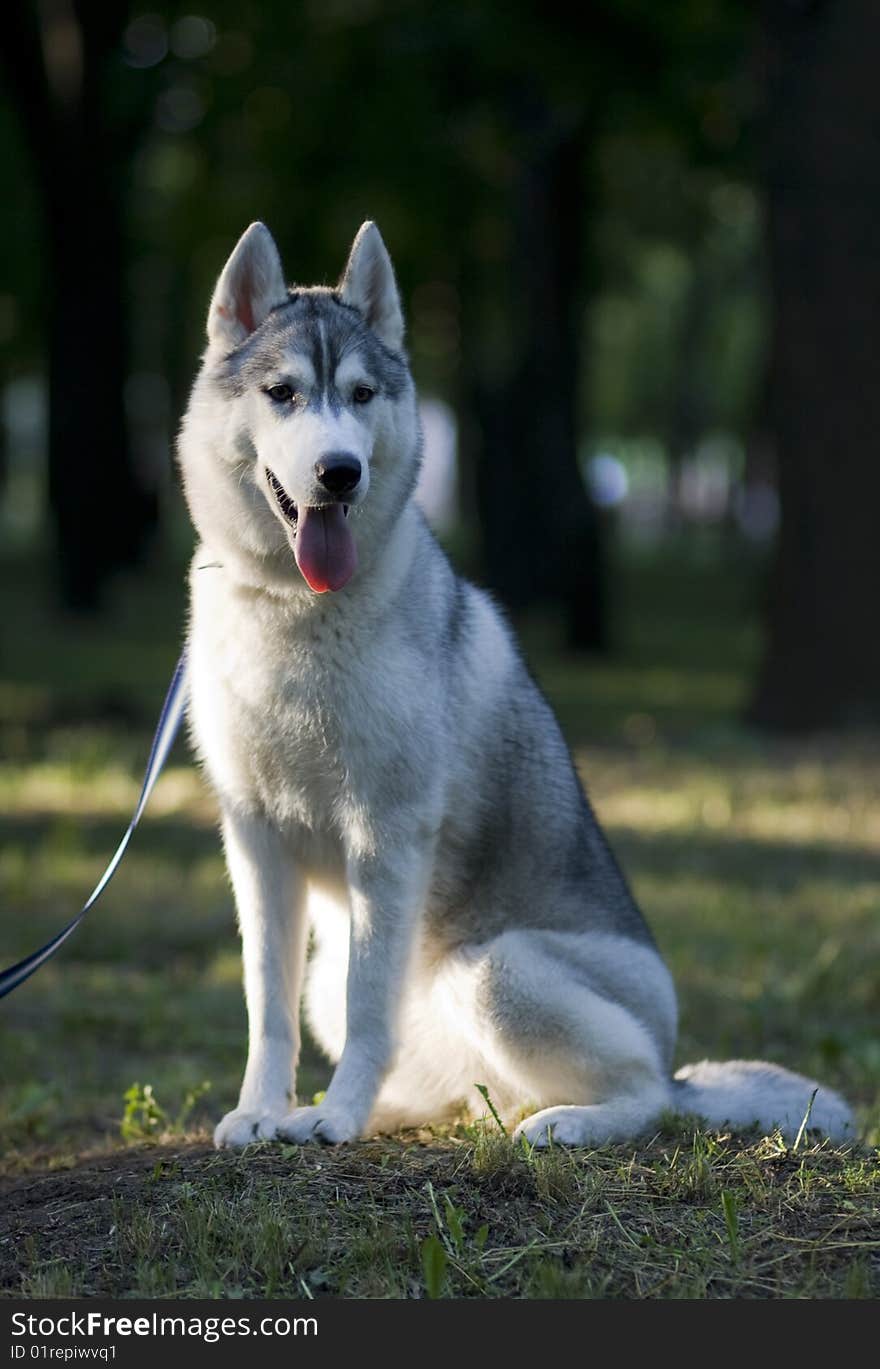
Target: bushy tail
{"points": [[745, 1093]]}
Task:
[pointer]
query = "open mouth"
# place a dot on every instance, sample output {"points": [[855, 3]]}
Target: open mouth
{"points": [[283, 499], [285, 503], [322, 543]]}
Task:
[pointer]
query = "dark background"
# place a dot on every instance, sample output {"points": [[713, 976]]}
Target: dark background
{"points": [[645, 233]]}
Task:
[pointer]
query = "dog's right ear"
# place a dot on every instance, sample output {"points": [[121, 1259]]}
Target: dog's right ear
{"points": [[250, 285], [368, 285]]}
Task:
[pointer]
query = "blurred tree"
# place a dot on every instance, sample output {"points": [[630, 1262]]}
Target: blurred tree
{"points": [[539, 84], [480, 136], [61, 58], [541, 530], [822, 664], [676, 324]]}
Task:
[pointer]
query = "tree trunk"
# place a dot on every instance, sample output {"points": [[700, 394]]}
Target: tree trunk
{"points": [[822, 662], [542, 533], [57, 60], [101, 512]]}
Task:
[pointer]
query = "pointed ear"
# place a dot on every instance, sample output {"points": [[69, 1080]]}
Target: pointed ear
{"points": [[368, 284], [251, 283]]}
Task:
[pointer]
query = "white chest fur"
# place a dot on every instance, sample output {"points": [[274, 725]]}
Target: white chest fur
{"points": [[302, 716]]}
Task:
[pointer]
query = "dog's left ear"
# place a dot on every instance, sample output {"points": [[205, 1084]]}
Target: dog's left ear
{"points": [[368, 284], [250, 285]]}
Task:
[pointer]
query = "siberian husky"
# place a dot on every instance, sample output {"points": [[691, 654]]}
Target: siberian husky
{"points": [[389, 776]]}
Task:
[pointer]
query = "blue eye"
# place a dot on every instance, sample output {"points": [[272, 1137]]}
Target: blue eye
{"points": [[362, 394], [280, 394]]}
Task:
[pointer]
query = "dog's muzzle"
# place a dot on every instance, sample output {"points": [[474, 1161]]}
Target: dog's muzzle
{"points": [[322, 541]]}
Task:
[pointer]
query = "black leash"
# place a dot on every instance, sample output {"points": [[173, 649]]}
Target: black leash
{"points": [[166, 731]]}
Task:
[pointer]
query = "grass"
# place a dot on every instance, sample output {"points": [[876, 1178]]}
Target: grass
{"points": [[757, 862], [683, 1216]]}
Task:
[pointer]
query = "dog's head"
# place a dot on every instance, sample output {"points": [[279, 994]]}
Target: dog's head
{"points": [[305, 397]]}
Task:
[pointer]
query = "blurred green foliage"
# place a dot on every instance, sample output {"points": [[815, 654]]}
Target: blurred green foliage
{"points": [[313, 116]]}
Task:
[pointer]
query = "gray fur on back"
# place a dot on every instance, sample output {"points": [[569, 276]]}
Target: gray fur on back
{"points": [[518, 822]]}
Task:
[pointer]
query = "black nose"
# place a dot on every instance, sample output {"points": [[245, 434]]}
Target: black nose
{"points": [[338, 472]]}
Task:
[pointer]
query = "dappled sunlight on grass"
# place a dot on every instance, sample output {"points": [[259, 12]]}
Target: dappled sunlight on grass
{"points": [[53, 788], [774, 799]]}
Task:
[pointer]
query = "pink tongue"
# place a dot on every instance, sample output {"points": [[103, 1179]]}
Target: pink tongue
{"points": [[324, 548]]}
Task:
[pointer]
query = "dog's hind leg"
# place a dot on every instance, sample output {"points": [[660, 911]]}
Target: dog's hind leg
{"points": [[582, 1027]]}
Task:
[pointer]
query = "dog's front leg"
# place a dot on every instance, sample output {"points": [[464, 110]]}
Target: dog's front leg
{"points": [[385, 897], [270, 900]]}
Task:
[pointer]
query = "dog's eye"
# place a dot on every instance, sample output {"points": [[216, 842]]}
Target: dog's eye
{"points": [[362, 394], [281, 394]]}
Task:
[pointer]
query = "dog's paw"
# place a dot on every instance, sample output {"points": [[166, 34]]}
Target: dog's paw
{"points": [[330, 1126], [242, 1127], [562, 1126]]}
